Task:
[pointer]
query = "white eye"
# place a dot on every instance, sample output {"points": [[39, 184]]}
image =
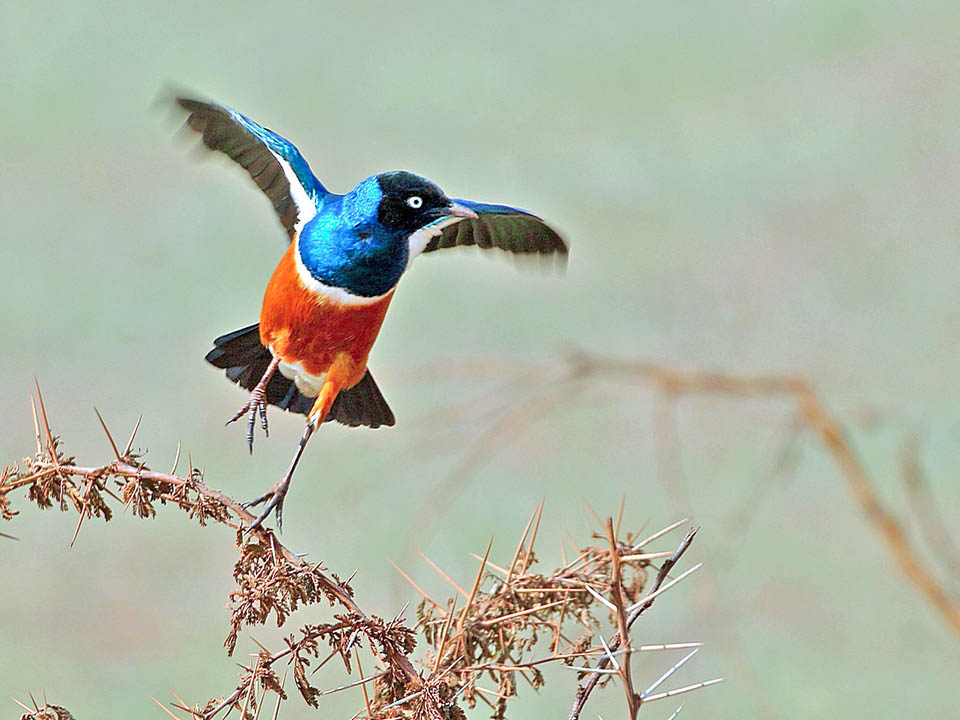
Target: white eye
{"points": [[415, 201]]}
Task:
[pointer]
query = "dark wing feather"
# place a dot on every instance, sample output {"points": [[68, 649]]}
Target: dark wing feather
{"points": [[274, 163], [362, 404], [503, 227]]}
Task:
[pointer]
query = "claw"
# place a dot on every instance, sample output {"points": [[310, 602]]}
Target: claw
{"points": [[239, 414], [257, 405], [275, 496], [263, 420]]}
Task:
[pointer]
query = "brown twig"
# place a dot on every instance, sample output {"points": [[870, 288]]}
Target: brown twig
{"points": [[936, 531], [584, 691], [616, 592]]}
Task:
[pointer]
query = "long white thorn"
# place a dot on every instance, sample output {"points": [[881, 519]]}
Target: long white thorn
{"points": [[688, 688], [176, 460], [601, 598], [664, 588], [660, 533], [609, 653], [669, 646], [402, 700], [595, 671], [668, 673], [350, 685]]}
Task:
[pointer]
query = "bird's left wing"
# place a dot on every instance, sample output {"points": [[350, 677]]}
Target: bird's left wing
{"points": [[503, 227], [274, 163]]}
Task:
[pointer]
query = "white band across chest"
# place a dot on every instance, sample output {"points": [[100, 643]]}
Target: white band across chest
{"points": [[338, 295]]}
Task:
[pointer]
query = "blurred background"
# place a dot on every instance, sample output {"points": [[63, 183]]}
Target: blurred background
{"points": [[752, 187]]}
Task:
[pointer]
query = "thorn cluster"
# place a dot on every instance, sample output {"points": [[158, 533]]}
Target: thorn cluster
{"points": [[478, 645]]}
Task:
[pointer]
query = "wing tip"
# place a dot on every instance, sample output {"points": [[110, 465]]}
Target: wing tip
{"points": [[511, 230]]}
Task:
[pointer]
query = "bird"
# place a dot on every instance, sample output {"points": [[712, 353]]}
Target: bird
{"points": [[327, 298]]}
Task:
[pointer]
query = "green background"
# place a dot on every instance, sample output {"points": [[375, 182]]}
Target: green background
{"points": [[753, 187]]}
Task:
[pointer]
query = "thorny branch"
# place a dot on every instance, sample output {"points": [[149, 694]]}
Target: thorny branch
{"points": [[510, 612], [584, 691]]}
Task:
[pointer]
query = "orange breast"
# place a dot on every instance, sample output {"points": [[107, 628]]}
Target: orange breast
{"points": [[319, 333]]}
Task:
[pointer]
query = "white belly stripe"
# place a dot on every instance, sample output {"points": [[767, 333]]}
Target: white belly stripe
{"points": [[306, 383]]}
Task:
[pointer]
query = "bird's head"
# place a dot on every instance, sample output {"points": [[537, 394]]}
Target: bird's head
{"points": [[411, 202]]}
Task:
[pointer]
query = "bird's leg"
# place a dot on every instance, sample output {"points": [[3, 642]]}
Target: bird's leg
{"points": [[275, 496], [257, 404]]}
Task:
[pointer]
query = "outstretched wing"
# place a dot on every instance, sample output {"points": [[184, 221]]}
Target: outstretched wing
{"points": [[272, 161], [503, 227]]}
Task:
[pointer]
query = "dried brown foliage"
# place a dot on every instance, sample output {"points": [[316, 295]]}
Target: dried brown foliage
{"points": [[512, 622], [44, 712]]}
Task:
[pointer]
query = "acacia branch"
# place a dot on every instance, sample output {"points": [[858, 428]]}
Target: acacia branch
{"points": [[51, 477], [508, 607], [584, 691]]}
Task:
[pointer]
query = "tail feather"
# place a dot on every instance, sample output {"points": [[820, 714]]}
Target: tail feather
{"points": [[362, 405], [245, 359]]}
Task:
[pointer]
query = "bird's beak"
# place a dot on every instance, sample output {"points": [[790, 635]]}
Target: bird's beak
{"points": [[461, 211]]}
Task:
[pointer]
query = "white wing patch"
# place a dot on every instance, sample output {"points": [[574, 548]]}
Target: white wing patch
{"points": [[306, 206]]}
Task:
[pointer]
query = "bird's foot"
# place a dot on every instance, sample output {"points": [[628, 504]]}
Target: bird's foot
{"points": [[257, 404], [273, 498]]}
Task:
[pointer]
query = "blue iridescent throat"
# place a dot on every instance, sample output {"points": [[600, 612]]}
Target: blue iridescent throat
{"points": [[345, 247]]}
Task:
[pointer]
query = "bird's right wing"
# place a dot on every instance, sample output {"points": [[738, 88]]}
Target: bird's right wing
{"points": [[274, 163], [501, 226]]}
